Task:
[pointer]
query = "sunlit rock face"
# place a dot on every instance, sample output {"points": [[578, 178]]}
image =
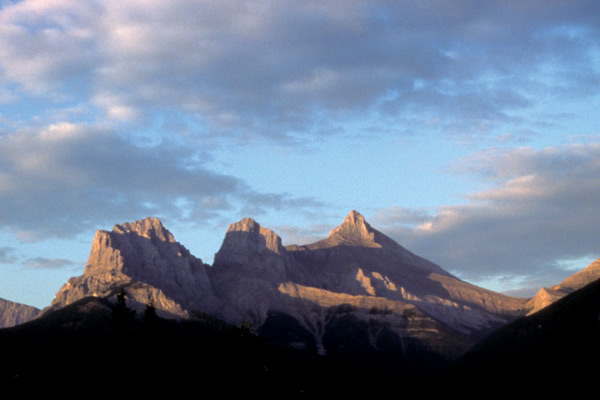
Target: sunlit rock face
{"points": [[12, 313], [546, 296], [141, 252], [357, 259], [249, 245]]}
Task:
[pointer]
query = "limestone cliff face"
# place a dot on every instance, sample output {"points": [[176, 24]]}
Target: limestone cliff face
{"points": [[142, 252], [357, 259], [12, 313], [256, 275], [247, 244], [247, 270]]}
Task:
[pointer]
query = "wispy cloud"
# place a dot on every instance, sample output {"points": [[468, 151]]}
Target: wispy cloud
{"points": [[7, 255], [48, 263]]}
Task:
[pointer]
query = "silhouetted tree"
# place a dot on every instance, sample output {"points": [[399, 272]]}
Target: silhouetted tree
{"points": [[122, 316], [150, 311], [247, 330], [151, 319]]}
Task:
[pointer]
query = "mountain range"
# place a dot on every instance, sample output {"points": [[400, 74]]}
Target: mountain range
{"points": [[304, 296], [356, 296]]}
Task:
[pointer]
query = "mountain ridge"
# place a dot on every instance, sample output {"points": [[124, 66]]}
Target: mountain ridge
{"points": [[356, 297], [558, 342], [548, 295], [356, 287], [254, 278]]}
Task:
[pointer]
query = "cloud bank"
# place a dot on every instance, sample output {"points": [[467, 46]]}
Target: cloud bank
{"points": [[541, 209], [66, 178], [291, 67]]}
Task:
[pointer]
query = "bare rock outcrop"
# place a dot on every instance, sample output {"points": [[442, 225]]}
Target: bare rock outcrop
{"points": [[12, 313], [546, 296], [358, 260], [247, 270], [247, 244], [141, 252]]}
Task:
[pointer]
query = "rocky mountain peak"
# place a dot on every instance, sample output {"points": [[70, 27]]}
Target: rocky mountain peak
{"points": [[246, 239], [244, 225], [148, 228], [354, 230], [144, 252], [547, 296]]}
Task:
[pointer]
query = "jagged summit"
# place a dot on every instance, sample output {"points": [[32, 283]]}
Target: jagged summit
{"points": [[354, 230], [245, 240], [255, 278], [149, 227], [244, 225], [142, 252]]}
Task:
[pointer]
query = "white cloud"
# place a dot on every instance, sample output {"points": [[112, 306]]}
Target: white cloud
{"points": [[45, 44]]}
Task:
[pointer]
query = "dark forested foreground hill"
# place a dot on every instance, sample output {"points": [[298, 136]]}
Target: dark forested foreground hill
{"points": [[557, 347], [92, 346]]}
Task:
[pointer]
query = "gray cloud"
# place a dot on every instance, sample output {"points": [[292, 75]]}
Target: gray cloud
{"points": [[65, 178], [541, 210], [272, 68], [48, 263], [7, 255]]}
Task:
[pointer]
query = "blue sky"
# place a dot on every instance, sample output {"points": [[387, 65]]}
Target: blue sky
{"points": [[465, 130]]}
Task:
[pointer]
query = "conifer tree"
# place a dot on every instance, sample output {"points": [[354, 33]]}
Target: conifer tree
{"points": [[122, 316], [150, 316]]}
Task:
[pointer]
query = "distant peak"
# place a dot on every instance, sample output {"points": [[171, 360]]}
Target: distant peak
{"points": [[245, 239], [354, 218], [244, 225], [354, 230]]}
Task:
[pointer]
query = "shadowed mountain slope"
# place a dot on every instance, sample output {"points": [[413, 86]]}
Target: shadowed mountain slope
{"points": [[84, 347], [560, 343]]}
